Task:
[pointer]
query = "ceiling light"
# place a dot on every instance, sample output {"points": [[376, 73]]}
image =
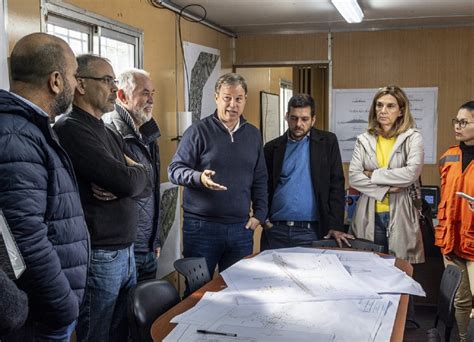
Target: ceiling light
{"points": [[349, 9]]}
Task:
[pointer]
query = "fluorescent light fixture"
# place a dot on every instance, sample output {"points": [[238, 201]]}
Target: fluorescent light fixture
{"points": [[349, 9]]}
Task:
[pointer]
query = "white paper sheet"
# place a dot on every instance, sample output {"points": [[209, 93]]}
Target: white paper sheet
{"points": [[292, 277]]}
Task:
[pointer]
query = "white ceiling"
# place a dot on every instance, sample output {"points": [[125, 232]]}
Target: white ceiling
{"points": [[298, 16]]}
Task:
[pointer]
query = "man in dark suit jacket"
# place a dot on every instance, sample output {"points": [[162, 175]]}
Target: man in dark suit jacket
{"points": [[305, 182]]}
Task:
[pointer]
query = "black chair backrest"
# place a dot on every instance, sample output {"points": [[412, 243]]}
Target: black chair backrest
{"points": [[358, 244], [447, 291], [194, 270], [146, 302], [325, 243]]}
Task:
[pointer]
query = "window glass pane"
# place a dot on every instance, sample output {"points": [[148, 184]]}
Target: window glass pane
{"points": [[121, 54], [286, 92], [77, 40]]}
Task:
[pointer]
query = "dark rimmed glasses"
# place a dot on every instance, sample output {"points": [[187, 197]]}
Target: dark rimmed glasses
{"points": [[109, 80], [461, 123]]}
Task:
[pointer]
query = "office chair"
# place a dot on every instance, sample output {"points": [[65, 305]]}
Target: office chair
{"points": [[358, 244], [447, 290], [146, 302], [194, 270]]}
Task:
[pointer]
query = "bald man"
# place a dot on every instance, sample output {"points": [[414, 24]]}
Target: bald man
{"points": [[38, 191]]}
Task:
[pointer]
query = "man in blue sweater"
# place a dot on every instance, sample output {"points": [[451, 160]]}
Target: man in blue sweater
{"points": [[306, 182], [220, 162]]}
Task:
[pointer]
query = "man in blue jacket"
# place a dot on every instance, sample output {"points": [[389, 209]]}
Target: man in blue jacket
{"points": [[38, 192], [133, 120], [220, 162]]}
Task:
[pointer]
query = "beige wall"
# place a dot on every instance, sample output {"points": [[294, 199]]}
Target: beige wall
{"points": [[160, 36], [262, 79], [440, 58]]}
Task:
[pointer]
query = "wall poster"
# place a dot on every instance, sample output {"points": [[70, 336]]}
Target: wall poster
{"points": [[350, 110], [202, 69]]}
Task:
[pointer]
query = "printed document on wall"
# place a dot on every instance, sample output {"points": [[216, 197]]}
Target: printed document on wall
{"points": [[350, 111]]}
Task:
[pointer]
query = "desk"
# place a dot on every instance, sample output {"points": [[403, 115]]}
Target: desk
{"points": [[162, 326]]}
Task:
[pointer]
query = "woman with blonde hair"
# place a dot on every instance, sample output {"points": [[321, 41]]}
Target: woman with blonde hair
{"points": [[385, 169]]}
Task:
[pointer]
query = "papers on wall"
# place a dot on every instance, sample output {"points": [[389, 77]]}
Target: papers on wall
{"points": [[289, 310], [202, 69], [4, 79], [170, 228], [350, 111]]}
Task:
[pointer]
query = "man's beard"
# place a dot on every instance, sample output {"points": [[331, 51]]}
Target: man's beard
{"points": [[142, 116], [63, 103]]}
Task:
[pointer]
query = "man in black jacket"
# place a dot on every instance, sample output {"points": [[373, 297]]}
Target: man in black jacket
{"points": [[305, 182], [133, 120], [108, 183]]}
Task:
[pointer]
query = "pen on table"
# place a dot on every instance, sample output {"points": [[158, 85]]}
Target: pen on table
{"points": [[201, 331]]}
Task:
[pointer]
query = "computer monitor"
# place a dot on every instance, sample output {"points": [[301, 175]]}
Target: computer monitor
{"points": [[430, 193]]}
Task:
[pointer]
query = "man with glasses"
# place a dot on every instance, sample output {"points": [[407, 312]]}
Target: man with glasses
{"points": [[108, 183], [220, 163], [133, 120]]}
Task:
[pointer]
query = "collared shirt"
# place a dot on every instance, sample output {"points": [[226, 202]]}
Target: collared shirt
{"points": [[294, 198]]}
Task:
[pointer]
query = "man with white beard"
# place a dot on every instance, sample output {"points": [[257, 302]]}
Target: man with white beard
{"points": [[133, 120]]}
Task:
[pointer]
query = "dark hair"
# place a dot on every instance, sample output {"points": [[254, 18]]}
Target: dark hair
{"points": [[34, 65], [84, 63], [468, 105], [231, 79], [302, 101]]}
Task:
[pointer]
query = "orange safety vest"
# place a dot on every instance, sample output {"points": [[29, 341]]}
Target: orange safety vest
{"points": [[455, 231]]}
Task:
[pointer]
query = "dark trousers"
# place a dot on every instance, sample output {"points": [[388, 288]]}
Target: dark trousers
{"points": [[282, 236]]}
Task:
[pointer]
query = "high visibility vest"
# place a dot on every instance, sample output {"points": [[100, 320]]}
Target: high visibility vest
{"points": [[455, 231]]}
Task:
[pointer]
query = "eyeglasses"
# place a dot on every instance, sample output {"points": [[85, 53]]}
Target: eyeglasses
{"points": [[461, 123], [109, 80]]}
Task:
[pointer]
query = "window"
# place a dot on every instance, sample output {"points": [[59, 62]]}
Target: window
{"points": [[286, 92], [87, 32]]}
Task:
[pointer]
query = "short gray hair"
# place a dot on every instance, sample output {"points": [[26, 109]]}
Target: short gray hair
{"points": [[127, 81], [231, 79]]}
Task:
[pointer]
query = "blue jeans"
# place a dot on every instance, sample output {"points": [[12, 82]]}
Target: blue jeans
{"points": [[221, 244], [103, 315], [382, 221], [282, 236], [145, 265], [59, 335]]}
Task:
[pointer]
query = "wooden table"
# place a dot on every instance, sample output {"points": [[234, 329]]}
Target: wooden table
{"points": [[162, 326]]}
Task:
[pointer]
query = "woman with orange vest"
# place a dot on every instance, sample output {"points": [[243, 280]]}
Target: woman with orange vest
{"points": [[455, 232]]}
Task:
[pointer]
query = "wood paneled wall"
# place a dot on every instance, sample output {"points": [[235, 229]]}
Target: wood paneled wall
{"points": [[442, 58], [262, 79], [281, 48]]}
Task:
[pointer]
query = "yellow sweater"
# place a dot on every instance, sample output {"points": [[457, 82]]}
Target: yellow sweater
{"points": [[383, 151]]}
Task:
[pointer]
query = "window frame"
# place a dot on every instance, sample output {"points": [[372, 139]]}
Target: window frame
{"points": [[100, 26]]}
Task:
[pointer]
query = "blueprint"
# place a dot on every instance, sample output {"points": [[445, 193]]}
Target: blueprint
{"points": [[292, 277]]}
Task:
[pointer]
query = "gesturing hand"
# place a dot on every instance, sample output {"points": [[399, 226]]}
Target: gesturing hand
{"points": [[207, 181]]}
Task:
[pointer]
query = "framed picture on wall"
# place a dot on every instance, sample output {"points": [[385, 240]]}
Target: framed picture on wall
{"points": [[269, 116]]}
